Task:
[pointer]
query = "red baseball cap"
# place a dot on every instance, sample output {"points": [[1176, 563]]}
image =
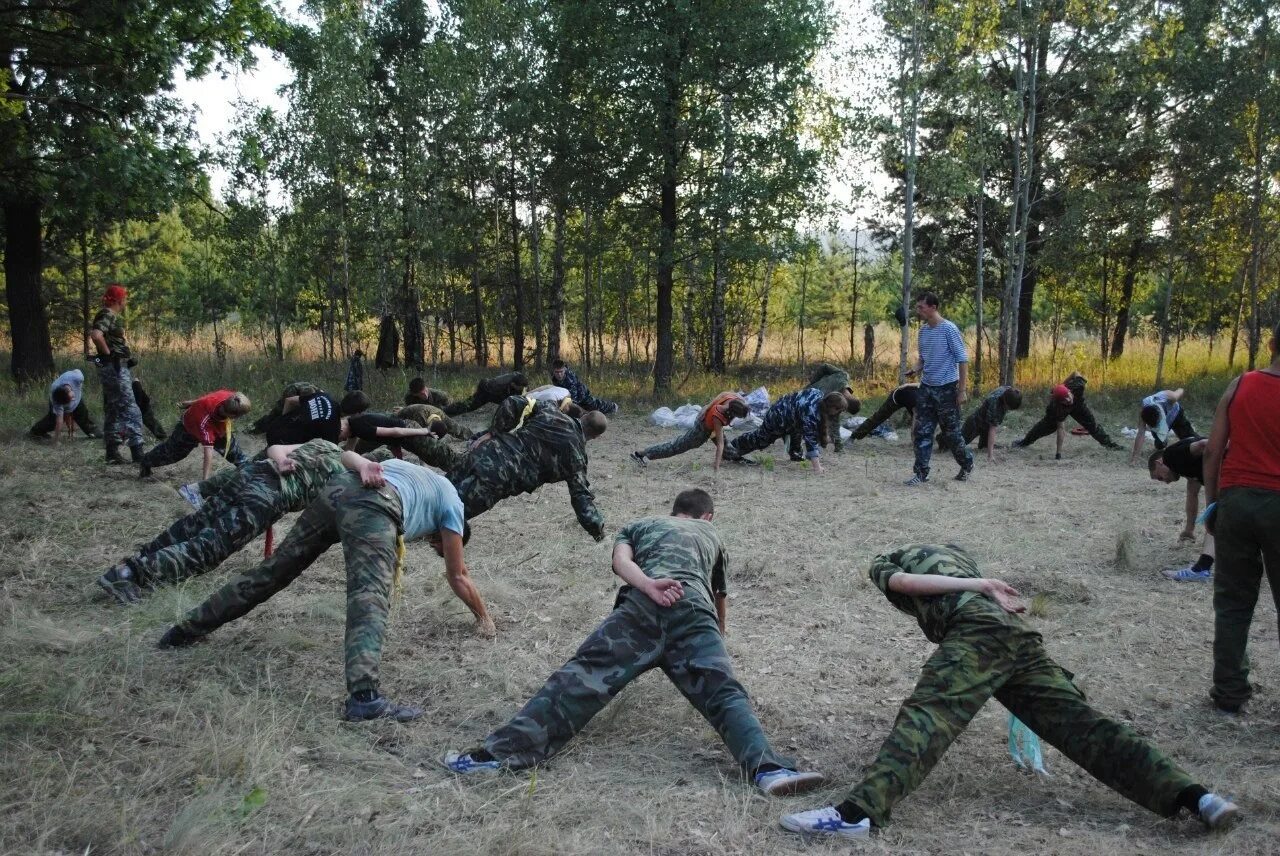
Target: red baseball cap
{"points": [[1060, 392], [115, 293]]}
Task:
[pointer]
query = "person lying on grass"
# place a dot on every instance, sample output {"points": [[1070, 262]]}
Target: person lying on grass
{"points": [[372, 509], [670, 614], [1185, 459], [710, 425], [984, 650], [491, 390]]}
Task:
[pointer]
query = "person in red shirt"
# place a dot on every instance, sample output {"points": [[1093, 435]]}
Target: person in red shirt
{"points": [[1242, 487], [723, 409], [205, 422]]}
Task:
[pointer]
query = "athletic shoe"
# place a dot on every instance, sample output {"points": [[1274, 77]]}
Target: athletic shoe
{"points": [[191, 494], [915, 481], [795, 456], [175, 637], [119, 583], [1018, 444], [639, 458], [1218, 812], [782, 782], [462, 762], [963, 475], [825, 821], [381, 708], [1113, 446], [1188, 575]]}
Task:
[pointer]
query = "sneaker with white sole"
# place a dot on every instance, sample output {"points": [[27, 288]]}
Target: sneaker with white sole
{"points": [[639, 458], [1188, 575], [191, 494], [1218, 812], [462, 762], [915, 481], [782, 782], [825, 821]]}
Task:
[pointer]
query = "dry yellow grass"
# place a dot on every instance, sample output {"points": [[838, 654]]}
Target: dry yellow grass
{"points": [[234, 746]]}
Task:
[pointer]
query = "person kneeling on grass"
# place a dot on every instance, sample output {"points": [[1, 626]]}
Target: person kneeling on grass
{"points": [[205, 422], [985, 650], [669, 614], [372, 510], [246, 505], [1185, 459], [710, 425]]}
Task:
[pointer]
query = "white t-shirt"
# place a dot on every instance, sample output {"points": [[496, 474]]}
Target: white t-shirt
{"points": [[553, 394], [73, 379]]}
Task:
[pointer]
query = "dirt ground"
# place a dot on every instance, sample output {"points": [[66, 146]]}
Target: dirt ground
{"points": [[235, 745]]}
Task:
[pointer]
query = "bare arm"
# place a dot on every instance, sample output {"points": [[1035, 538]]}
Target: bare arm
{"points": [[100, 342], [402, 432], [207, 464], [455, 572], [1175, 394], [925, 585], [991, 443], [370, 472], [1217, 447], [279, 455], [1193, 509], [722, 613], [718, 435], [1139, 440], [962, 389], [290, 404], [663, 592], [1061, 437]]}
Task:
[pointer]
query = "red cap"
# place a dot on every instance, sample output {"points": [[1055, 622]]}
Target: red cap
{"points": [[1060, 392], [115, 293]]}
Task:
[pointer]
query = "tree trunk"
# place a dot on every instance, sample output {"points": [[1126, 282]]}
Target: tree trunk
{"points": [[669, 141], [764, 307], [84, 290], [517, 284], [23, 261], [719, 277], [908, 226], [1020, 331], [1257, 196], [555, 300], [586, 290], [978, 296], [853, 303], [1126, 297]]}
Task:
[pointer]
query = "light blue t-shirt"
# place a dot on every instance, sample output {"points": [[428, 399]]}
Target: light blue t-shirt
{"points": [[942, 351], [73, 379], [1169, 411], [429, 500]]}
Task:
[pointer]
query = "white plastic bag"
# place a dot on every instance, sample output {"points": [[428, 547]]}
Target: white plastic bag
{"points": [[663, 417]]}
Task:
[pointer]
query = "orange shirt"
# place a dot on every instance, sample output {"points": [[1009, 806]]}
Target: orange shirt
{"points": [[714, 415]]}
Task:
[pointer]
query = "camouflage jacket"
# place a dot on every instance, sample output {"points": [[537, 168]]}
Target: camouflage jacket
{"points": [[934, 613], [802, 411]]}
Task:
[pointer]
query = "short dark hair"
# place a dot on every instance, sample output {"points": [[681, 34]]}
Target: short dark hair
{"points": [[559, 364], [694, 502], [1157, 455], [417, 385], [594, 423], [354, 402], [62, 395], [834, 402], [1012, 398], [852, 403], [737, 409], [570, 408], [1151, 415], [929, 298]]}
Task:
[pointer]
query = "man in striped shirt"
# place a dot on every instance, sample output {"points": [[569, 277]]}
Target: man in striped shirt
{"points": [[944, 372]]}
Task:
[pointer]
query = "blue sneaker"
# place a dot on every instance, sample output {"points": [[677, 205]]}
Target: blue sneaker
{"points": [[782, 782], [825, 821], [462, 762], [1188, 575], [1218, 812], [191, 494]]}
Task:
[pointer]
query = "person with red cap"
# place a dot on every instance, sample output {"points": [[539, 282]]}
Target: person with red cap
{"points": [[122, 420], [1066, 399]]}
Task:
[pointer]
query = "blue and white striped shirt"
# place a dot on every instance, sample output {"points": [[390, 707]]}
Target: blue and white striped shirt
{"points": [[942, 351]]}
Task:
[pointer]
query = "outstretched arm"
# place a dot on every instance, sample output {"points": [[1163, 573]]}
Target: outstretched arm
{"points": [[991, 443], [1138, 440], [207, 464], [1061, 437], [584, 505], [1193, 510], [455, 572], [718, 435]]}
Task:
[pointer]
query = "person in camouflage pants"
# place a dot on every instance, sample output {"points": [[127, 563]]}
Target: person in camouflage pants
{"points": [[828, 378], [1057, 412], [530, 443], [121, 418], [982, 423], [985, 650], [430, 449], [426, 414], [670, 614], [805, 412], [903, 397], [565, 377], [365, 511], [710, 425], [490, 391], [251, 499]]}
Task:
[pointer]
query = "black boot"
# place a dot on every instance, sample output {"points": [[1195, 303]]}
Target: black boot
{"points": [[135, 452], [114, 456]]}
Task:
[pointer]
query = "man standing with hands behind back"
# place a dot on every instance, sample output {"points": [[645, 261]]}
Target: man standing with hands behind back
{"points": [[944, 373], [121, 418]]}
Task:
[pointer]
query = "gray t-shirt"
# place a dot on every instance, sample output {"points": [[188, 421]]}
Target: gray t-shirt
{"points": [[73, 379]]}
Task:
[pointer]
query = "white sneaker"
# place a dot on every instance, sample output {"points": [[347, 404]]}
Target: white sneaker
{"points": [[462, 762], [782, 782], [1218, 812], [825, 821], [191, 494]]}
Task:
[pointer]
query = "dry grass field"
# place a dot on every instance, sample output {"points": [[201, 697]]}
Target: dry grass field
{"points": [[235, 746]]}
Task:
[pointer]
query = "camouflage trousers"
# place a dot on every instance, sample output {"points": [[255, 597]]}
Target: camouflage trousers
{"points": [[429, 450], [121, 418], [1080, 412], [421, 414], [593, 402], [827, 378], [938, 409], [368, 523], [973, 428], [1248, 547], [83, 419], [179, 444], [773, 428], [985, 654], [686, 442], [876, 419], [218, 481], [246, 507], [682, 640], [296, 388], [478, 399]]}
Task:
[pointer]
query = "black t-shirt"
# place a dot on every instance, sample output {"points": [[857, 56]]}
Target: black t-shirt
{"points": [[316, 418], [366, 425], [1178, 458], [905, 396]]}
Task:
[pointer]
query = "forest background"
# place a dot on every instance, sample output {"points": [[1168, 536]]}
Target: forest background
{"points": [[649, 185]]}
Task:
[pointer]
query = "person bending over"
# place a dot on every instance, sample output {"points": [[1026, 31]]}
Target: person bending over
{"points": [[1162, 412], [710, 425], [1185, 459], [206, 422], [67, 407], [562, 375]]}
